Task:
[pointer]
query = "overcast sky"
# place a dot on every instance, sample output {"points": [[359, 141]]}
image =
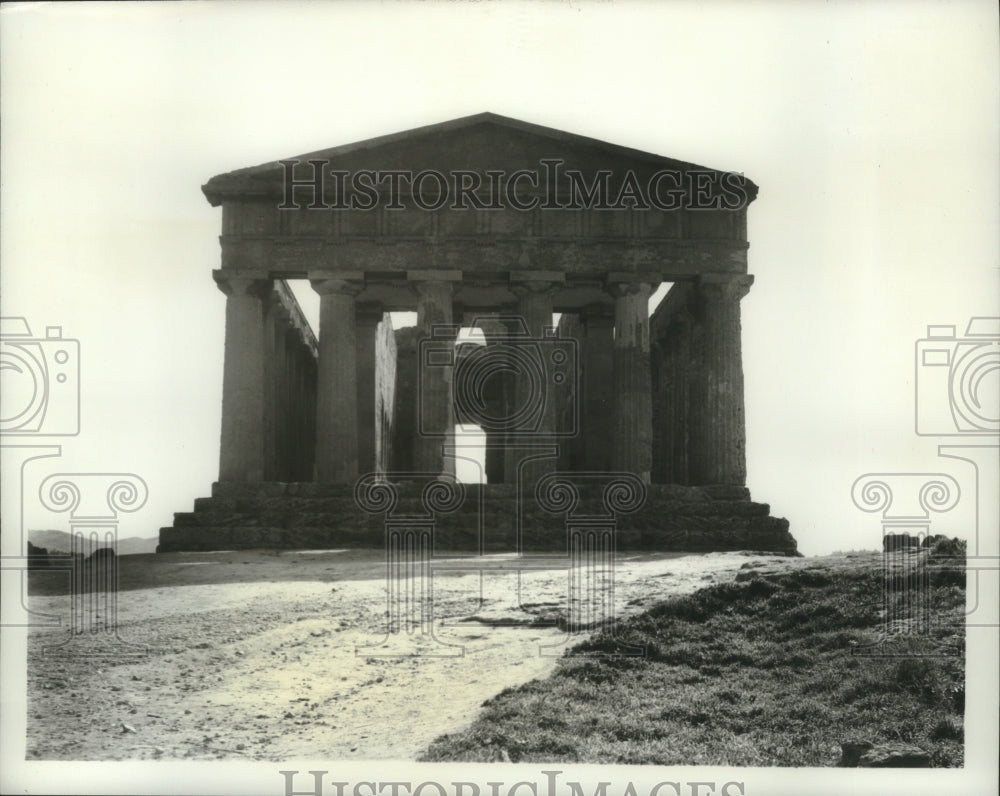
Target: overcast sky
{"points": [[871, 130]]}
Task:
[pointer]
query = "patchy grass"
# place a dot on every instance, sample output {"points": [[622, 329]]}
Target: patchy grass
{"points": [[761, 672]]}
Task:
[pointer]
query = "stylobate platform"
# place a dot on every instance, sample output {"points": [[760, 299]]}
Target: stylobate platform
{"points": [[474, 518]]}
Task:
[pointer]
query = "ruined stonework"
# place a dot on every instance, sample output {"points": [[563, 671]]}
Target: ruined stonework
{"points": [[494, 224]]}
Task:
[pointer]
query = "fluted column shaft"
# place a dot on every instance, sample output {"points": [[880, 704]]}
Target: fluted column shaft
{"points": [[435, 410], [534, 306], [598, 391], [244, 395], [276, 408], [308, 382], [717, 452], [293, 417], [298, 419], [633, 412], [572, 452], [367, 319], [678, 418], [496, 397], [672, 370], [337, 385]]}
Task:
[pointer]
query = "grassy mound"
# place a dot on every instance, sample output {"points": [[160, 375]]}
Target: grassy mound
{"points": [[777, 669]]}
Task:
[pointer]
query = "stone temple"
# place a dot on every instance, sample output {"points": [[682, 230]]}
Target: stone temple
{"points": [[529, 256]]}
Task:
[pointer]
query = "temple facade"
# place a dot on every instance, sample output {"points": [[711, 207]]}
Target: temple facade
{"points": [[548, 245]]}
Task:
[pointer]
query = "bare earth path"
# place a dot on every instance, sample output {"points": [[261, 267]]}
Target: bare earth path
{"points": [[266, 656]]}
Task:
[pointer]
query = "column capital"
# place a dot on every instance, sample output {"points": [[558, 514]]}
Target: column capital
{"points": [[534, 287], [243, 284], [425, 286], [281, 312], [433, 275], [724, 287], [630, 282], [536, 276], [493, 328], [327, 286], [620, 289], [598, 316], [434, 295], [527, 283], [368, 312]]}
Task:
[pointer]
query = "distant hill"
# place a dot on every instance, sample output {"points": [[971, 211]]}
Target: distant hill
{"points": [[60, 541]]}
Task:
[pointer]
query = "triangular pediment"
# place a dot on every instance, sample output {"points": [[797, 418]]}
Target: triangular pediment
{"points": [[479, 143]]}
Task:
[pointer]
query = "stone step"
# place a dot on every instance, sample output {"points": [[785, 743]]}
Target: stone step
{"points": [[773, 537], [307, 515], [348, 527], [405, 505], [290, 512], [235, 537], [271, 489]]}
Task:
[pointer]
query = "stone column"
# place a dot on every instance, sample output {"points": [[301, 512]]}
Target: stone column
{"points": [[308, 383], [572, 455], [673, 350], [241, 450], [683, 371], [717, 453], [435, 355], [633, 413], [367, 317], [404, 432], [385, 392], [276, 412], [337, 382], [532, 402], [660, 391], [302, 413], [293, 411], [597, 357], [494, 395], [293, 416], [509, 404]]}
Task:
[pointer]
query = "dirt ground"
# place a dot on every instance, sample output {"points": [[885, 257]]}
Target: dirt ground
{"points": [[272, 656]]}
